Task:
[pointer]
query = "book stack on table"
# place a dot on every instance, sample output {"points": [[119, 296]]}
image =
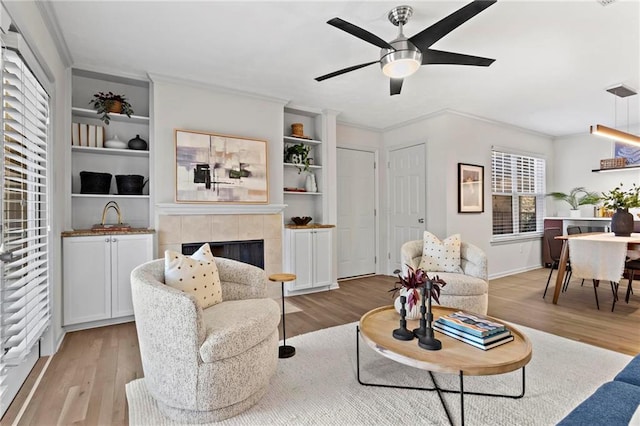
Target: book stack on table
{"points": [[473, 329]]}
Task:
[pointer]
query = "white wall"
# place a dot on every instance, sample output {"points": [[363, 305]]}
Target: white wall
{"points": [[453, 138], [189, 106], [28, 20], [576, 156]]}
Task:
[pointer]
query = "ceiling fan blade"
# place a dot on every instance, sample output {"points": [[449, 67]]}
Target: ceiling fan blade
{"points": [[435, 32], [396, 86], [359, 32], [431, 56], [345, 70]]}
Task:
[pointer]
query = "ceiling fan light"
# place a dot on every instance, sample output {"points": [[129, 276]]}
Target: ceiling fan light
{"points": [[617, 135], [401, 63]]}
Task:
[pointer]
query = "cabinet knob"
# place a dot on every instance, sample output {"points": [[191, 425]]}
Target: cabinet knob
{"points": [[106, 240], [114, 239]]}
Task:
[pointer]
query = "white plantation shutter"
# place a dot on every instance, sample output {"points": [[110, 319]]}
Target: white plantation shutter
{"points": [[518, 191], [24, 291]]}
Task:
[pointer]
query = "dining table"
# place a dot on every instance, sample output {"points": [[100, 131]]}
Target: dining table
{"points": [[633, 244]]}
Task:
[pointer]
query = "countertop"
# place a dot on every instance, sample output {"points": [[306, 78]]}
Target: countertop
{"points": [[579, 218], [308, 226], [115, 231]]}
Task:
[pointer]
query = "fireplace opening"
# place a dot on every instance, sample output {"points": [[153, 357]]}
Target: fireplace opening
{"points": [[248, 251]]}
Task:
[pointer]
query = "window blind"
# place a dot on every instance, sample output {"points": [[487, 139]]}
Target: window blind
{"points": [[518, 191], [24, 289]]}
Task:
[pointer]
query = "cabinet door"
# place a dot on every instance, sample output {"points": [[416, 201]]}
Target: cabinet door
{"points": [[322, 250], [86, 279], [127, 252], [302, 259]]}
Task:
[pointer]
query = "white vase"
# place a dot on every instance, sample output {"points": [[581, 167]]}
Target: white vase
{"points": [[575, 213], [412, 314], [310, 183]]}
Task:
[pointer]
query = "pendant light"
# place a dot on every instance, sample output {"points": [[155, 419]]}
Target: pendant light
{"points": [[621, 91]]}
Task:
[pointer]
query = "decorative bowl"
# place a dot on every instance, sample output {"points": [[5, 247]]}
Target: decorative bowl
{"points": [[301, 221]]}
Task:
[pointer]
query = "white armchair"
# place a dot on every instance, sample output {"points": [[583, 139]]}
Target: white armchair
{"points": [[468, 290], [206, 365]]}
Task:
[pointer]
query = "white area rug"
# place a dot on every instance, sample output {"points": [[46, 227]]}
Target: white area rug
{"points": [[318, 386]]}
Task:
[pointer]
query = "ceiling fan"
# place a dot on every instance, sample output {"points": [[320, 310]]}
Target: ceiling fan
{"points": [[402, 56]]}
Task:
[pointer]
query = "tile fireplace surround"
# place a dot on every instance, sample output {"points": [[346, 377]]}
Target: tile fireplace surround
{"points": [[174, 230]]}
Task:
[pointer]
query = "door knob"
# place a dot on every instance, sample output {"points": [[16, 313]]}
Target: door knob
{"points": [[421, 220]]}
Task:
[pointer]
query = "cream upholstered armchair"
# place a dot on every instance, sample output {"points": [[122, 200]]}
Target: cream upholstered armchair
{"points": [[468, 290], [205, 365]]}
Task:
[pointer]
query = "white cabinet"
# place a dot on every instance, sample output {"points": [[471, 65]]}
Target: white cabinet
{"points": [[86, 209], [308, 254], [96, 275]]}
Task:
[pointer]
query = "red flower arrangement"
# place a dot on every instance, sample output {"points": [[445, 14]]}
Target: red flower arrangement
{"points": [[415, 279]]}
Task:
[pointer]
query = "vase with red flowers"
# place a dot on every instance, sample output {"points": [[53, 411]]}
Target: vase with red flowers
{"points": [[410, 286]]}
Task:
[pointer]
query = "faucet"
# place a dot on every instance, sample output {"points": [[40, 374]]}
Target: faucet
{"points": [[116, 207]]}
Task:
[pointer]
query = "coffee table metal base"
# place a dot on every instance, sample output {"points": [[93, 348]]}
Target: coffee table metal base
{"points": [[435, 387]]}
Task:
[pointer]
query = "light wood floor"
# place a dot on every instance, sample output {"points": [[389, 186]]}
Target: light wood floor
{"points": [[85, 381]]}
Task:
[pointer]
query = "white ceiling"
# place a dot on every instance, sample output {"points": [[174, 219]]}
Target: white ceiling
{"points": [[554, 59]]}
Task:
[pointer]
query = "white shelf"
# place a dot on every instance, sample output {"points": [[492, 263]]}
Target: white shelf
{"points": [[311, 166], [107, 196], [91, 113], [292, 139], [302, 193], [111, 151]]}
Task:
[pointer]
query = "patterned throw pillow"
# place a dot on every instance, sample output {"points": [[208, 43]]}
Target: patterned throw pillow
{"points": [[197, 275], [441, 256]]}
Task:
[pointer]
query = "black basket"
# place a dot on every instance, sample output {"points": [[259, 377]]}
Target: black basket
{"points": [[95, 183], [130, 184]]}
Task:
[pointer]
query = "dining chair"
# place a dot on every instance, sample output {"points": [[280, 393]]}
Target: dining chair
{"points": [[632, 266], [571, 230], [555, 251]]}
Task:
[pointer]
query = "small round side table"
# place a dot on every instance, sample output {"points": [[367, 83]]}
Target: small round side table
{"points": [[284, 351]]}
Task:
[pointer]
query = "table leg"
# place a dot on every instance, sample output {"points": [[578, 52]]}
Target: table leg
{"points": [[562, 269], [285, 351]]}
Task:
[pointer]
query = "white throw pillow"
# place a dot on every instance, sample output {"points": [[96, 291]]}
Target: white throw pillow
{"points": [[440, 256], [197, 275]]}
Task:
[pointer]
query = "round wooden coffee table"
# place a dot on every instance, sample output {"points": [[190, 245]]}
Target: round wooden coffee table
{"points": [[376, 328]]}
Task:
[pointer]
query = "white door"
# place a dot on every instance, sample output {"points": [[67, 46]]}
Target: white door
{"points": [[356, 213], [406, 199], [127, 252], [301, 243], [86, 272], [322, 257]]}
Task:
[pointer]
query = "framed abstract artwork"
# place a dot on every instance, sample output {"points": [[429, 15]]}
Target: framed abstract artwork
{"points": [[630, 152], [215, 168], [470, 188]]}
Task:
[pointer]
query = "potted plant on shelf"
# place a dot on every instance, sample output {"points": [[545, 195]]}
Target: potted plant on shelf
{"points": [[298, 154], [577, 197], [104, 103], [621, 201], [409, 287]]}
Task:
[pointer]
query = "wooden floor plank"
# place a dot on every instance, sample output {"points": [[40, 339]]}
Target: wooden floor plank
{"points": [[85, 382]]}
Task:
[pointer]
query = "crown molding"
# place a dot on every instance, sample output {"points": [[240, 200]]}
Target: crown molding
{"points": [[222, 89], [360, 126], [51, 22]]}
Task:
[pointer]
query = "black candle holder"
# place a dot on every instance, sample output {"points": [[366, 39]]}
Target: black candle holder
{"points": [[428, 341], [422, 330], [403, 333]]}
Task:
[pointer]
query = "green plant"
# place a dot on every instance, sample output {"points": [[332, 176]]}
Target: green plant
{"points": [[299, 155], [415, 279], [104, 102], [577, 197], [618, 198]]}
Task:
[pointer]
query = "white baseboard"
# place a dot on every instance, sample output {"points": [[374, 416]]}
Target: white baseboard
{"points": [[514, 271]]}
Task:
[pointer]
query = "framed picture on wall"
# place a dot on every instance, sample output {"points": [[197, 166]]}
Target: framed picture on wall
{"points": [[470, 188], [215, 168], [630, 152]]}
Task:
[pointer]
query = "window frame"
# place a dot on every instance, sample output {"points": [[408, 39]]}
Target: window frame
{"points": [[537, 179]]}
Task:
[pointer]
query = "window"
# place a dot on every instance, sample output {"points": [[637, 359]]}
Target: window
{"points": [[24, 270], [517, 193]]}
